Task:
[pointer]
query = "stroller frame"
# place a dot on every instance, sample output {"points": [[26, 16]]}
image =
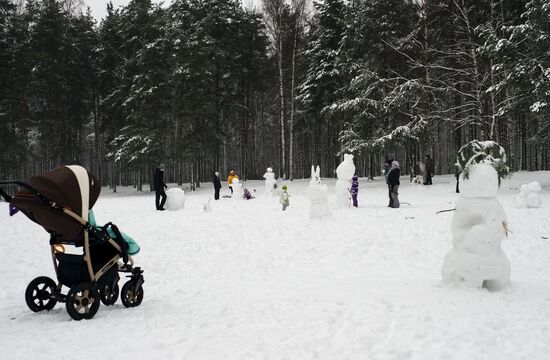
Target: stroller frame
{"points": [[82, 300]]}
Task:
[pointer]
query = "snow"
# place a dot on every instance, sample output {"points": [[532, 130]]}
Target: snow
{"points": [[249, 281], [175, 199]]}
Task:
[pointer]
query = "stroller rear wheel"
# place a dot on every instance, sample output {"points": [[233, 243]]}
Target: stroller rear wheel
{"points": [[39, 294], [82, 301], [109, 294], [130, 296]]}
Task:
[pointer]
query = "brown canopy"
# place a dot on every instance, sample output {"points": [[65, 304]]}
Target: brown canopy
{"points": [[72, 187]]}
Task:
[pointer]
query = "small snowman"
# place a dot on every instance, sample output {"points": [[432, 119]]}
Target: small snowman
{"points": [[238, 190], [269, 177], [529, 196], [317, 193], [344, 172], [479, 222]]}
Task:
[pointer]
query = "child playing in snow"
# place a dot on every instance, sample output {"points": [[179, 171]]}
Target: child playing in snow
{"points": [[247, 195], [354, 189], [284, 198]]}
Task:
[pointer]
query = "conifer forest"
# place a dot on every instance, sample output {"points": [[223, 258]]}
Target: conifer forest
{"points": [[212, 85]]}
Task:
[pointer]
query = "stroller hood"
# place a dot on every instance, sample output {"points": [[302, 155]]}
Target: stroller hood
{"points": [[72, 187]]}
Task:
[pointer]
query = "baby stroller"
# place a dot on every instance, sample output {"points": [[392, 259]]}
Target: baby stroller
{"points": [[60, 201]]}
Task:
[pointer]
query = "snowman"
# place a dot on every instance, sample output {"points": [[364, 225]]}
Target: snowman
{"points": [[479, 222], [238, 190], [344, 172], [529, 196], [317, 193], [269, 177]]}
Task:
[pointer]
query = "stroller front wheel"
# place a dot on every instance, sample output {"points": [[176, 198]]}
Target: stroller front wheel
{"points": [[40, 294], [130, 296], [82, 301]]}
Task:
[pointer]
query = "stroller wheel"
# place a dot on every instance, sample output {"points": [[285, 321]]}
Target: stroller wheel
{"points": [[39, 294], [82, 301], [129, 296], [109, 294]]}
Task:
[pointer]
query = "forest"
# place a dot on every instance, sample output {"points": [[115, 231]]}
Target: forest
{"points": [[211, 85]]}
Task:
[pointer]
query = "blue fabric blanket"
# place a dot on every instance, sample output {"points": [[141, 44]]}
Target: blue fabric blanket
{"points": [[133, 247]]}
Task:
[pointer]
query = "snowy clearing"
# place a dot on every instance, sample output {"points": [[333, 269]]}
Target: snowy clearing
{"points": [[248, 281]]}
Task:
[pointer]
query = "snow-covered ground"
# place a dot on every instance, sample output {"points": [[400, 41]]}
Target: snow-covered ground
{"points": [[248, 281]]}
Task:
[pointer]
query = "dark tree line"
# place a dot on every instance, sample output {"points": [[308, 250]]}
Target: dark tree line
{"points": [[205, 85]]}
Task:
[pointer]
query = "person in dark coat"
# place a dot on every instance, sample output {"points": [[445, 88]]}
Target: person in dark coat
{"points": [[159, 185], [457, 175], [393, 184], [387, 168], [217, 185], [429, 170], [354, 189]]}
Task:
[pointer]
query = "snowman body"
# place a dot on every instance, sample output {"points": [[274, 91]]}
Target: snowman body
{"points": [[478, 227], [317, 193], [344, 172], [269, 177], [238, 190]]}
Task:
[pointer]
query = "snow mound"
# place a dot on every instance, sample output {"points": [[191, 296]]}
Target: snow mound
{"points": [[529, 196], [175, 199]]}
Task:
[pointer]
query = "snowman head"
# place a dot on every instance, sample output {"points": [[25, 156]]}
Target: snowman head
{"points": [[269, 170], [482, 182], [236, 182]]}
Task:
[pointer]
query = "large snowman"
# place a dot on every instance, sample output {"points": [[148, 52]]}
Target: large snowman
{"points": [[317, 193], [269, 177], [344, 172], [479, 225]]}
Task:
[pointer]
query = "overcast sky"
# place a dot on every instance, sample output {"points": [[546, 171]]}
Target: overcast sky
{"points": [[99, 7]]}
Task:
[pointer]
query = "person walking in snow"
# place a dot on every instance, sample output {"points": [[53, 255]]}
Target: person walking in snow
{"points": [[393, 184], [217, 185], [232, 175], [429, 170], [354, 189], [159, 186], [284, 197]]}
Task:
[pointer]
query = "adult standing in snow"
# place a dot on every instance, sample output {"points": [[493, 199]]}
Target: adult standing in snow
{"points": [[354, 189], [387, 168], [232, 175], [159, 185], [393, 184], [429, 170], [217, 185]]}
